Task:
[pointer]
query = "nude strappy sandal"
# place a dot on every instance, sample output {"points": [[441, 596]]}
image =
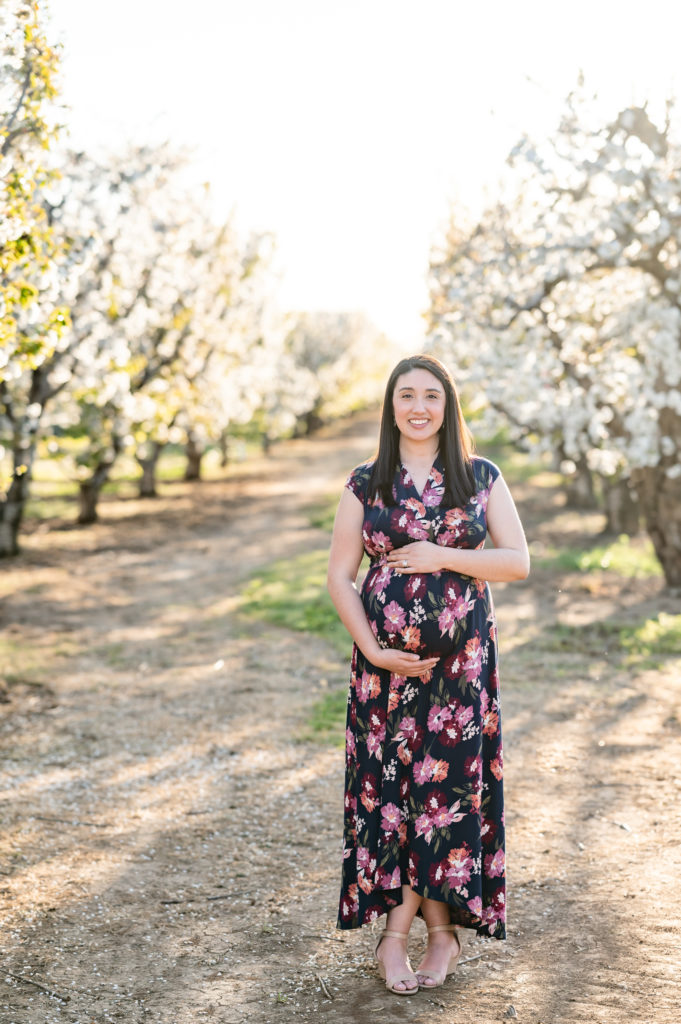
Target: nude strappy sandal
{"points": [[391, 982], [439, 979]]}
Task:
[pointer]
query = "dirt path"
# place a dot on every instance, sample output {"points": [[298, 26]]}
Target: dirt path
{"points": [[170, 852]]}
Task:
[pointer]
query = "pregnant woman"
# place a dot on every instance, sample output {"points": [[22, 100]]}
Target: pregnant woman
{"points": [[424, 823]]}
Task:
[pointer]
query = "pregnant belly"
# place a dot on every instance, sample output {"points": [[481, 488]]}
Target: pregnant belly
{"points": [[428, 614]]}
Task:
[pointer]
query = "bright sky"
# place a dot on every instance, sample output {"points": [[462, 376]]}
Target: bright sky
{"points": [[348, 126]]}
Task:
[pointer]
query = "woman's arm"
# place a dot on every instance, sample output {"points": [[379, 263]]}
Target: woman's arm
{"points": [[508, 560], [347, 548]]}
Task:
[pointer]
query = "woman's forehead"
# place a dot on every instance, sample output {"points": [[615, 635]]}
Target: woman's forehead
{"points": [[418, 378]]}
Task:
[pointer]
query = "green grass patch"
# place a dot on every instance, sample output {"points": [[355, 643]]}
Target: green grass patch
{"points": [[23, 664], [649, 644], [322, 516], [654, 639], [292, 593], [326, 720], [631, 557]]}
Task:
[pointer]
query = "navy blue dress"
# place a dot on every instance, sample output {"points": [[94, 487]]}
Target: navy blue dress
{"points": [[423, 782]]}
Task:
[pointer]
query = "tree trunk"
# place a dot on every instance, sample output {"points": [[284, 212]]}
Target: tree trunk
{"points": [[90, 490], [660, 499], [659, 496], [148, 464], [579, 489], [194, 452], [308, 423], [12, 508], [12, 512], [622, 509], [25, 429], [223, 446]]}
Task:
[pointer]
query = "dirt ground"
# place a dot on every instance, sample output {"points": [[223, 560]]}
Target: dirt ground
{"points": [[170, 849]]}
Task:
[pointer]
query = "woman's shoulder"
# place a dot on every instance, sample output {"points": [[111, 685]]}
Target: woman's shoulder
{"points": [[485, 470], [358, 480]]}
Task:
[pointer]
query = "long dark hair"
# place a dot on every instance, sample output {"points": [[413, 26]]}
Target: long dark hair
{"points": [[456, 440]]}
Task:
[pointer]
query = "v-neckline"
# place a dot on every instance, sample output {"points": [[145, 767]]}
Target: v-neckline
{"points": [[428, 478]]}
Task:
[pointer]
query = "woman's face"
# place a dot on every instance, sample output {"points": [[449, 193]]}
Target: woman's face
{"points": [[419, 403]]}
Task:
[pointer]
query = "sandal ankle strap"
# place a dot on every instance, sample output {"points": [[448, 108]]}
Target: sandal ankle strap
{"points": [[442, 928], [394, 934]]}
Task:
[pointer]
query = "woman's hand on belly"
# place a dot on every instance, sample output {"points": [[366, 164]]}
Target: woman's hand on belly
{"points": [[421, 557], [403, 663]]}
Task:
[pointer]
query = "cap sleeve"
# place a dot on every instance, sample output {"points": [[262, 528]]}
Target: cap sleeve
{"points": [[358, 481], [486, 472]]}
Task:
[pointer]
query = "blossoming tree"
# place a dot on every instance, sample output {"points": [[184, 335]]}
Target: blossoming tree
{"points": [[561, 309], [32, 316]]}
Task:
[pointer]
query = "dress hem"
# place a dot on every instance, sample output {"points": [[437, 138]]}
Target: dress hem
{"points": [[457, 916]]}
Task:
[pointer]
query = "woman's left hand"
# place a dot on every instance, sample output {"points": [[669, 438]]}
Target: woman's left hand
{"points": [[421, 556]]}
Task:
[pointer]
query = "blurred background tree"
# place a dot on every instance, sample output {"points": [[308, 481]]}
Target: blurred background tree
{"points": [[561, 311], [131, 318], [32, 316]]}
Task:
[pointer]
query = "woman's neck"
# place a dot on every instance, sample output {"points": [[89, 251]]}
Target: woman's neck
{"points": [[418, 453]]}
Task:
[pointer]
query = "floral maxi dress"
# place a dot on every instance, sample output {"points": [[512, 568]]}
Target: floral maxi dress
{"points": [[423, 783]]}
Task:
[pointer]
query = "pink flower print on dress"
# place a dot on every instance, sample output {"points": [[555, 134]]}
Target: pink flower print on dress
{"points": [[368, 687], [388, 880], [455, 518], [473, 664], [495, 864], [363, 857], [459, 866], [416, 506], [446, 621], [381, 579], [438, 718], [417, 530], [462, 606], [411, 732], [488, 831], [423, 770], [475, 906], [451, 734], [499, 900], [395, 617], [490, 723], [436, 872], [377, 717], [445, 816], [375, 746], [432, 494], [380, 543], [434, 801], [442, 817], [391, 817], [411, 638], [415, 587], [481, 499], [424, 827]]}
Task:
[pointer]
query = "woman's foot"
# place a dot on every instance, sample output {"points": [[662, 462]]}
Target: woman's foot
{"points": [[393, 963], [441, 956]]}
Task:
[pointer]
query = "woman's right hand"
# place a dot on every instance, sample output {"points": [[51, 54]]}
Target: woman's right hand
{"points": [[403, 663]]}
